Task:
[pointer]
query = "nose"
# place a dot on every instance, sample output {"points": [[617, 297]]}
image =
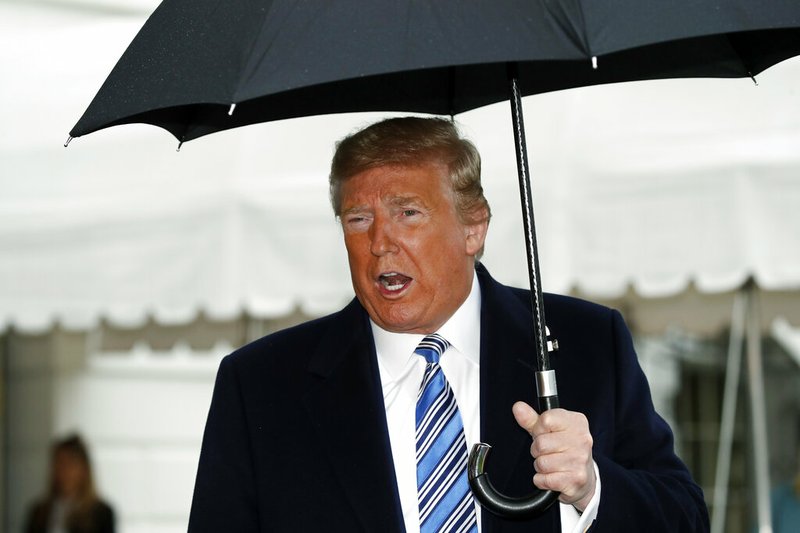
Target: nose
{"points": [[381, 238]]}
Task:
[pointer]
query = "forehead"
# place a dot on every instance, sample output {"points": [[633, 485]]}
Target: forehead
{"points": [[66, 456], [426, 182]]}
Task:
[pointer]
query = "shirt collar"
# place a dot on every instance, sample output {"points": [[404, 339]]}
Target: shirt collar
{"points": [[462, 331]]}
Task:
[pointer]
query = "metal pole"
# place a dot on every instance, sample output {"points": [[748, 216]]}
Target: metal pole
{"points": [[758, 414], [5, 438], [732, 371]]}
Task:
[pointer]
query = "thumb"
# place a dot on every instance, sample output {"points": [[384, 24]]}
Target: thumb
{"points": [[525, 415]]}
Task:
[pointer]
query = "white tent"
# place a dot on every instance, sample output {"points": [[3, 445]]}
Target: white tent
{"points": [[650, 189]]}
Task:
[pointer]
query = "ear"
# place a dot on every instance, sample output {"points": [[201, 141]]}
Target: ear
{"points": [[475, 233]]}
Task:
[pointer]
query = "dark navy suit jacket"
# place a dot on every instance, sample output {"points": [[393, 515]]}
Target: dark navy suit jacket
{"points": [[296, 438]]}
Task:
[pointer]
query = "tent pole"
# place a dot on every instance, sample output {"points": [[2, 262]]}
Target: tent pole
{"points": [[758, 413], [732, 371], [6, 345]]}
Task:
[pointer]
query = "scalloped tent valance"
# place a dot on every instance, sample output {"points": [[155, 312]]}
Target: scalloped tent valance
{"points": [[671, 190]]}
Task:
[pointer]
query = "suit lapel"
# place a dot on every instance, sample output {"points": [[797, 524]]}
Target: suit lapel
{"points": [[345, 403], [507, 375], [508, 367]]}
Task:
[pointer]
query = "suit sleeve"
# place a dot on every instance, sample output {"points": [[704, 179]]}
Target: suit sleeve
{"points": [[225, 489], [645, 486]]}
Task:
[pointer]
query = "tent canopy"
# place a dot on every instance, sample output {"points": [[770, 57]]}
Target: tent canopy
{"points": [[671, 189]]}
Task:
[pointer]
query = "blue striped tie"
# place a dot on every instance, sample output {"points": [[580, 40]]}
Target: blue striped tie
{"points": [[445, 501]]}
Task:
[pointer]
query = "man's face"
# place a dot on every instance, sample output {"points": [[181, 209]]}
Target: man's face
{"points": [[411, 258]]}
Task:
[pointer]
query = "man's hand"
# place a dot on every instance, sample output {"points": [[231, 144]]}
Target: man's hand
{"points": [[562, 452]]}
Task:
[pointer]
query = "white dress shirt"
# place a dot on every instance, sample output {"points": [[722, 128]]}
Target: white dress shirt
{"points": [[401, 374]]}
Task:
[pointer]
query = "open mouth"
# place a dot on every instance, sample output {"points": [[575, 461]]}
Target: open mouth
{"points": [[393, 282]]}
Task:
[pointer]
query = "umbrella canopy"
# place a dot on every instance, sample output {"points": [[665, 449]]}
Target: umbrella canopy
{"points": [[77, 247], [194, 59]]}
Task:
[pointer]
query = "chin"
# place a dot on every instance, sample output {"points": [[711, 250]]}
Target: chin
{"points": [[398, 325]]}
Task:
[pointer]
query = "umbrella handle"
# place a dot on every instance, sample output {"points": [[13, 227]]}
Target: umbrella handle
{"points": [[512, 507], [508, 506]]}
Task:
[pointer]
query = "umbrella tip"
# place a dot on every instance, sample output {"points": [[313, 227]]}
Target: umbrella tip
{"points": [[230, 111], [755, 81], [69, 140], [178, 149], [594, 62]]}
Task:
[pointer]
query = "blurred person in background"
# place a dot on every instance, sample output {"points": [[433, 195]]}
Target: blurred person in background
{"points": [[786, 505], [72, 504]]}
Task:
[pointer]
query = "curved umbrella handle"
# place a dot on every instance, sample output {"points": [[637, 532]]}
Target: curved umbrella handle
{"points": [[489, 498], [482, 488]]}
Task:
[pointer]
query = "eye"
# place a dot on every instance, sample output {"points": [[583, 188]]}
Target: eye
{"points": [[355, 223], [410, 212]]}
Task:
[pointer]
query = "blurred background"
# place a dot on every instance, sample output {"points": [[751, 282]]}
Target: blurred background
{"points": [[128, 269]]}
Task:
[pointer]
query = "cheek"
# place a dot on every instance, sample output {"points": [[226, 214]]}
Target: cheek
{"points": [[446, 250], [355, 247]]}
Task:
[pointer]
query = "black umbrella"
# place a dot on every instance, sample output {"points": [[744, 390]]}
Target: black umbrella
{"points": [[201, 66], [195, 59]]}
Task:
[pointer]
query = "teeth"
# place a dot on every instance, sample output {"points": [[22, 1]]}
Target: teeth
{"points": [[390, 283]]}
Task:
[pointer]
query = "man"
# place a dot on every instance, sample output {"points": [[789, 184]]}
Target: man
{"points": [[318, 427]]}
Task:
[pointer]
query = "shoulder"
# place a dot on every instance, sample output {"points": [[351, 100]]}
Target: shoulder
{"points": [[37, 516], [294, 345], [578, 309], [556, 305], [588, 327], [39, 506], [104, 513], [104, 507]]}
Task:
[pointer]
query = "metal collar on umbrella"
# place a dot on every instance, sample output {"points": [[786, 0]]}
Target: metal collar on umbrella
{"points": [[540, 500]]}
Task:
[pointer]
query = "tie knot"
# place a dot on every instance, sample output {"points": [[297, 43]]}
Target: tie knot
{"points": [[432, 347]]}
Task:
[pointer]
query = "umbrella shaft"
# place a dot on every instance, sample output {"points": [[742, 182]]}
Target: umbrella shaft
{"points": [[526, 200]]}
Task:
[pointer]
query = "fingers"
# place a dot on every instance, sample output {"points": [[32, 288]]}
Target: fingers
{"points": [[558, 430], [572, 486], [562, 452]]}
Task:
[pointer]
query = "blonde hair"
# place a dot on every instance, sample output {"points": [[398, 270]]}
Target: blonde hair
{"points": [[412, 141]]}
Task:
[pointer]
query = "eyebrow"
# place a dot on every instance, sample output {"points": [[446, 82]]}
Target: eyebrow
{"points": [[399, 201], [354, 209], [395, 201]]}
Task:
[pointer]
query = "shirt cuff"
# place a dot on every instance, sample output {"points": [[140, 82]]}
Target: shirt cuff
{"points": [[574, 522]]}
